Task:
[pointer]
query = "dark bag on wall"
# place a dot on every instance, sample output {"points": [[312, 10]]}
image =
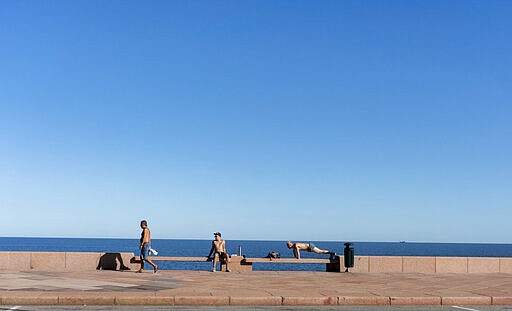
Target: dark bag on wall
{"points": [[273, 255]]}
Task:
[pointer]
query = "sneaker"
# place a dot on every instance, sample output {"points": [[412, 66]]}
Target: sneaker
{"points": [[227, 270], [214, 270]]}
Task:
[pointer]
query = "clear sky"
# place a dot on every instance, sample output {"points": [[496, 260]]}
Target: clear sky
{"points": [[302, 120]]}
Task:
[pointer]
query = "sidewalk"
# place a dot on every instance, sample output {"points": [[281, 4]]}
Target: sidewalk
{"points": [[256, 288]]}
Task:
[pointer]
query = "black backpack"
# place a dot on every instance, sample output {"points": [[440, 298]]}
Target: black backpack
{"points": [[273, 255]]}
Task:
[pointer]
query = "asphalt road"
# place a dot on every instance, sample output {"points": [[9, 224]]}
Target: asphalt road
{"points": [[326, 308]]}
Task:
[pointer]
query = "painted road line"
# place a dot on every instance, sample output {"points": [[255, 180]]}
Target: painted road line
{"points": [[14, 308], [462, 308]]}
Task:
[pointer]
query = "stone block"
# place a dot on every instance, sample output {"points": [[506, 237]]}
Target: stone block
{"points": [[466, 301], [483, 265], [71, 300], [18, 261], [506, 265], [502, 301], [309, 301], [419, 264], [201, 301], [86, 299], [144, 300], [416, 301], [381, 264], [135, 300], [364, 300], [47, 261], [82, 261], [336, 265], [162, 300], [34, 299], [4, 260], [360, 264], [451, 264], [256, 301], [238, 264]]}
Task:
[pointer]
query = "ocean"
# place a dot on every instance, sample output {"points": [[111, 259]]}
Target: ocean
{"points": [[252, 248]]}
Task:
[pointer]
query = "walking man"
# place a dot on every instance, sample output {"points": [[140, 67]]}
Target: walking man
{"points": [[145, 246]]}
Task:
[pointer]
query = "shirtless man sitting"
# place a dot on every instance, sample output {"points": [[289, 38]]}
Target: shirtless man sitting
{"points": [[219, 250], [309, 247]]}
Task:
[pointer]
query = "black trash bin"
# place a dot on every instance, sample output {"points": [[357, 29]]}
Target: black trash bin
{"points": [[348, 256]]}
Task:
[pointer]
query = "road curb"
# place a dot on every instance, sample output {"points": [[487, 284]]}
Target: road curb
{"points": [[137, 299], [466, 301]]}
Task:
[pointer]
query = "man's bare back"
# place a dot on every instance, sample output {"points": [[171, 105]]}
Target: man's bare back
{"points": [[302, 246], [309, 247]]}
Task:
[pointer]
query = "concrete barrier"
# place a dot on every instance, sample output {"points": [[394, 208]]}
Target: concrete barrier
{"points": [[451, 264], [506, 265], [483, 265], [81, 261], [65, 261], [419, 264], [361, 264], [422, 264], [15, 260], [385, 264]]}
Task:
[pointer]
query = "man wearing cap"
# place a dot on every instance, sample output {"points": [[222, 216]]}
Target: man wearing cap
{"points": [[219, 251]]}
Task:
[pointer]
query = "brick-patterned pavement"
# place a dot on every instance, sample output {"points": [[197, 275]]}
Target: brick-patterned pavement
{"points": [[254, 288]]}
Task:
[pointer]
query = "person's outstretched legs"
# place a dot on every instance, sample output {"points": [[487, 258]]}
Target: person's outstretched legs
{"points": [[320, 251]]}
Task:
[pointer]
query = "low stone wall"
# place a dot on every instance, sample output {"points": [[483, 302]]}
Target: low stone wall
{"points": [[65, 261], [416, 264], [74, 261]]}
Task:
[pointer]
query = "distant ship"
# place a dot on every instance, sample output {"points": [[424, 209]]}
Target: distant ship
{"points": [[402, 241]]}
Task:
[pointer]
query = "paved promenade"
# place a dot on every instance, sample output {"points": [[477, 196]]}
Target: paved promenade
{"points": [[259, 288]]}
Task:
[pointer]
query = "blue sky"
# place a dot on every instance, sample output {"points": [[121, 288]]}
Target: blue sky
{"points": [[301, 120]]}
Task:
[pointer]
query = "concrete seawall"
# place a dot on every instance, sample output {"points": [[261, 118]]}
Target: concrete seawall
{"points": [[64, 261], [413, 264], [75, 261]]}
